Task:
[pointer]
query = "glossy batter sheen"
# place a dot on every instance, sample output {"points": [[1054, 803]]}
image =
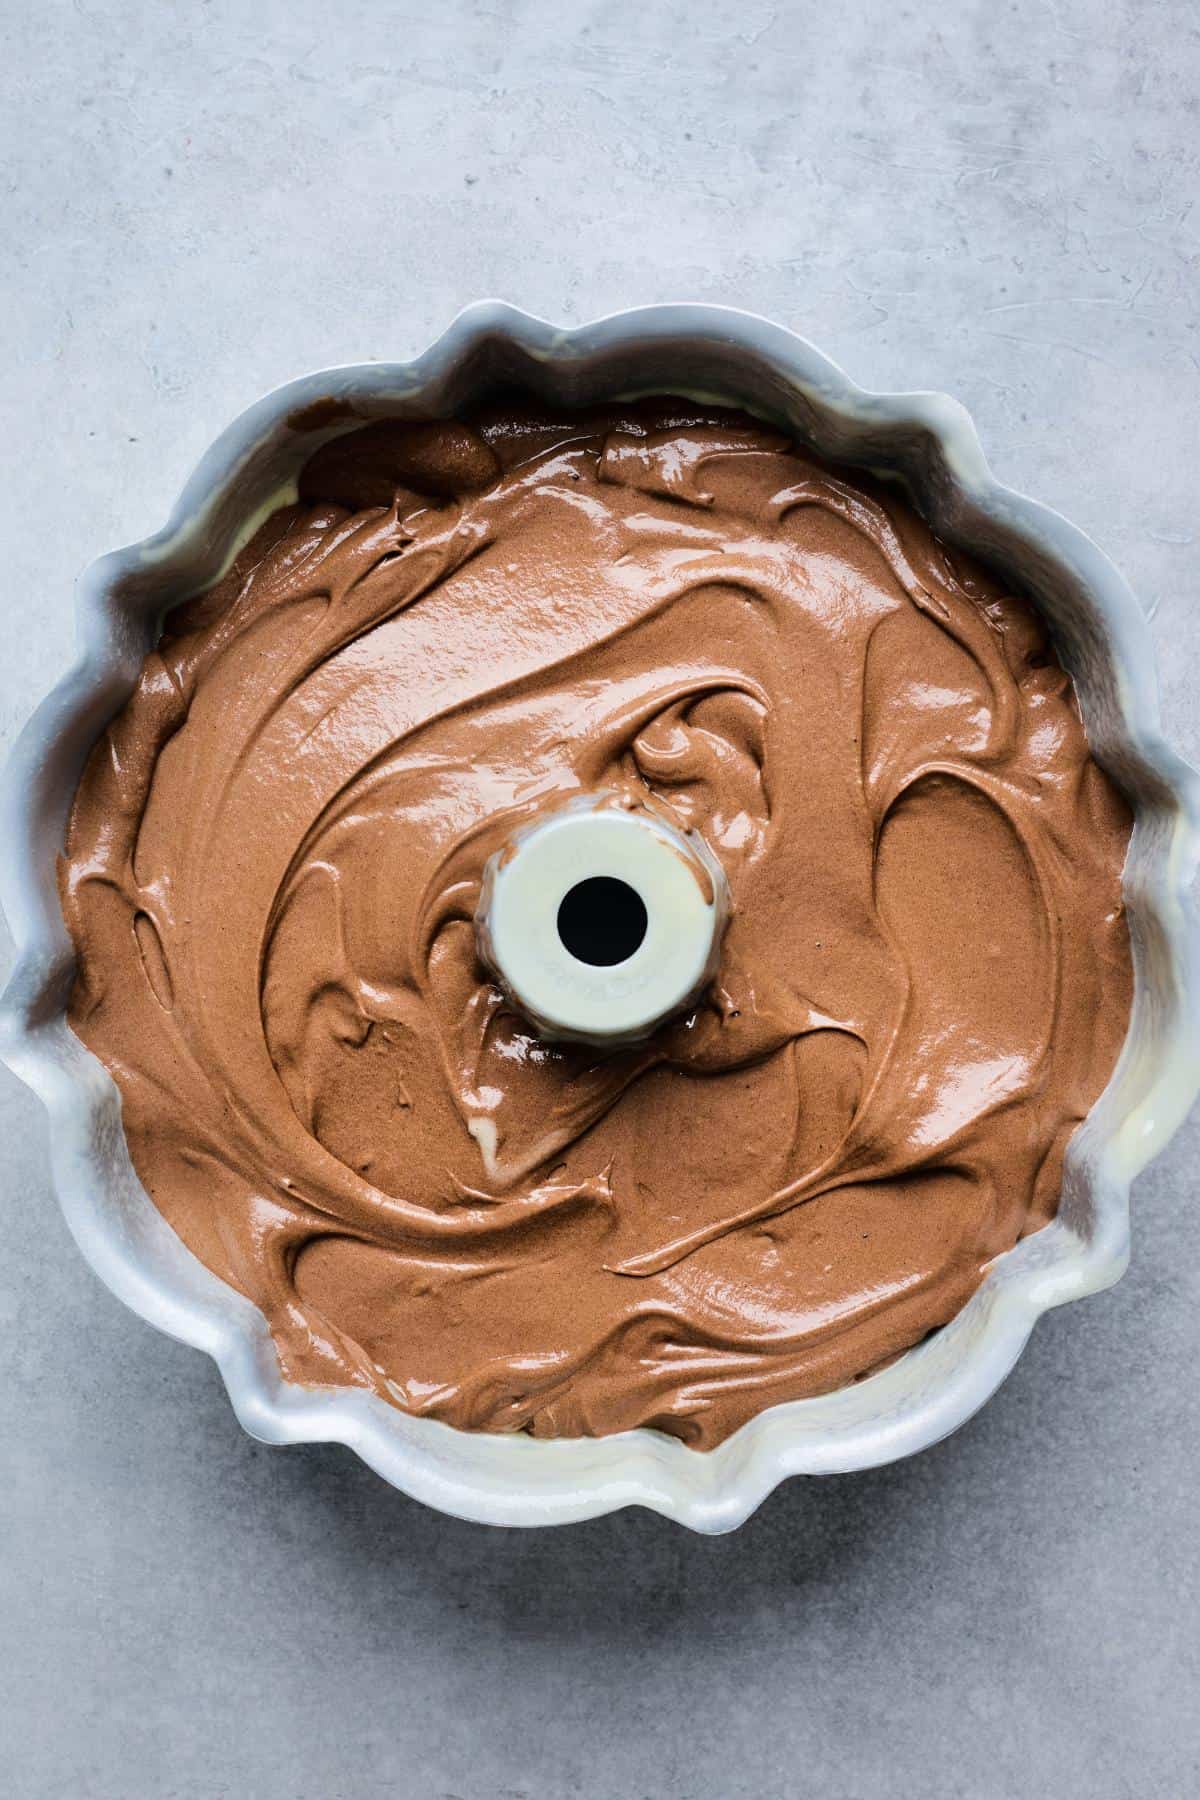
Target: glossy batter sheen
{"points": [[274, 862]]}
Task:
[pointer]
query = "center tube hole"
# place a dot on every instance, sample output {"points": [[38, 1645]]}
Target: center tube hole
{"points": [[602, 921]]}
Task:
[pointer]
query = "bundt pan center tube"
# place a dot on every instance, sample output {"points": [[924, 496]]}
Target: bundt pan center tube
{"points": [[602, 920], [613, 907]]}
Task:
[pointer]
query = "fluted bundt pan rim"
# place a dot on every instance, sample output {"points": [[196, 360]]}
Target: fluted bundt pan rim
{"points": [[928, 442]]}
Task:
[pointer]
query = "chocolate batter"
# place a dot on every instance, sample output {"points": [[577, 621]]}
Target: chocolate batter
{"points": [[274, 861]]}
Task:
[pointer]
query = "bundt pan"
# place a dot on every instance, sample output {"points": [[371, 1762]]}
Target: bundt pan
{"points": [[925, 440]]}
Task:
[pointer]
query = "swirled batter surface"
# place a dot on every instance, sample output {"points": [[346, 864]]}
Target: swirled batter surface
{"points": [[275, 855]]}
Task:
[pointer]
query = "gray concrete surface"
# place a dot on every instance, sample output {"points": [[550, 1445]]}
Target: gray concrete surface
{"points": [[202, 200]]}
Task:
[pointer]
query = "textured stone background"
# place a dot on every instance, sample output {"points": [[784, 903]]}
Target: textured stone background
{"points": [[202, 200]]}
